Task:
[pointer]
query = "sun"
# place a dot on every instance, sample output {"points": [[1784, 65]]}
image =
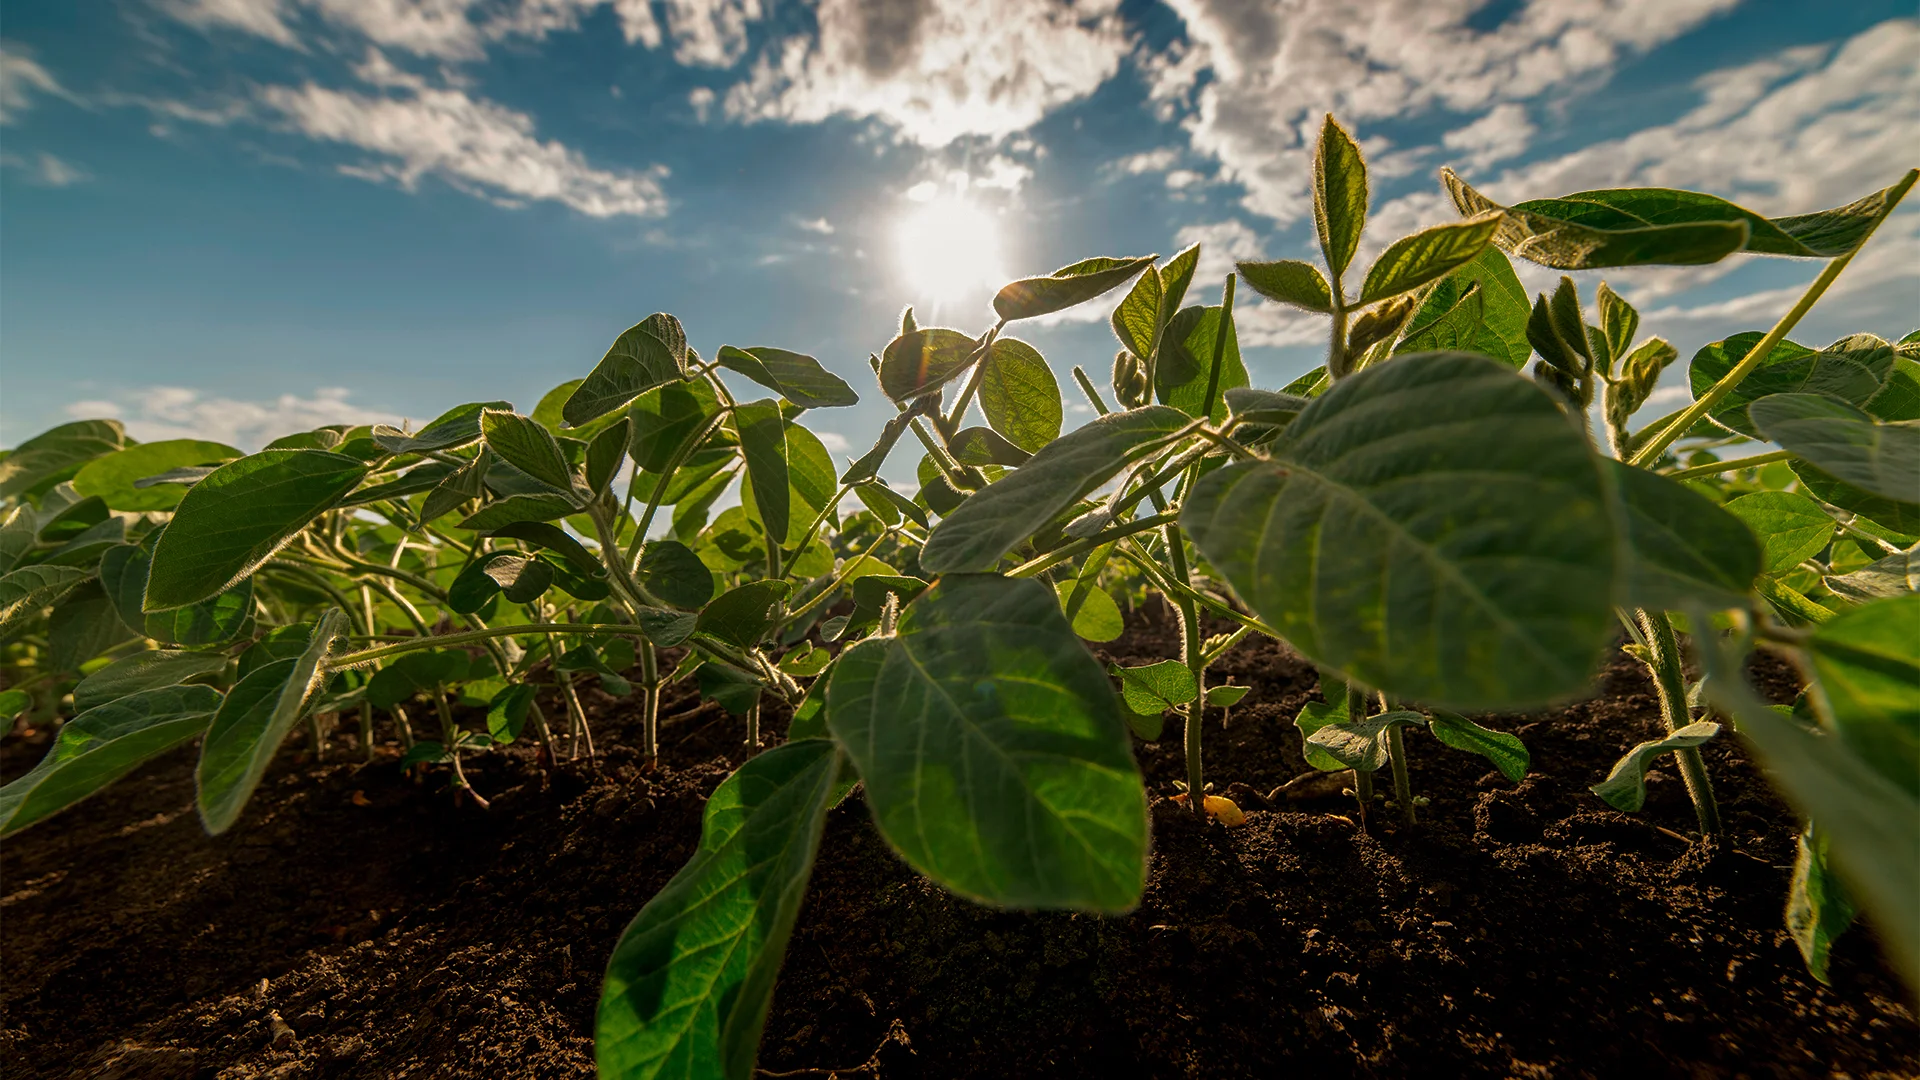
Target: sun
{"points": [[949, 251]]}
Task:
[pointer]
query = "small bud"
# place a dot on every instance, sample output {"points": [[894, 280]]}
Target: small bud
{"points": [[1130, 380]]}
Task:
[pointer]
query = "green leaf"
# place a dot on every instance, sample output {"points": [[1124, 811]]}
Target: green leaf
{"points": [[605, 453], [783, 453], [456, 427], [1619, 323], [1900, 516], [1847, 444], [794, 376], [1557, 233], [525, 445], [124, 571], [1265, 407], [1428, 255], [13, 702], [731, 688], [17, 536], [1625, 788], [667, 416], [415, 673], [1155, 688], [1502, 333], [552, 538], [1872, 822], [1354, 544], [922, 361], [687, 990], [1065, 287], [1823, 235], [1175, 276], [236, 518], [1091, 611], [112, 477], [1851, 369], [83, 625], [805, 661], [1339, 196], [1818, 907], [103, 744], [1455, 329], [1868, 672], [1683, 549], [1362, 745], [1186, 362], [141, 672], [984, 446], [993, 750], [1895, 575], [1019, 396], [1507, 752], [507, 712], [810, 716], [671, 571], [743, 614], [1791, 527], [1136, 320], [870, 596], [1220, 697], [57, 454], [649, 353], [997, 518], [26, 592], [1899, 395], [252, 722], [1315, 715], [1289, 281], [503, 513]]}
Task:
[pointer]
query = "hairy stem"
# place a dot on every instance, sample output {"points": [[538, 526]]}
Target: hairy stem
{"points": [[1734, 465], [1670, 684], [1402, 786]]}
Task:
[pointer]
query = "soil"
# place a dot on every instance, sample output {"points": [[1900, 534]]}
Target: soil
{"points": [[361, 922]]}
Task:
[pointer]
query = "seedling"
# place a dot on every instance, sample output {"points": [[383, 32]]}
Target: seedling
{"points": [[1439, 532]]}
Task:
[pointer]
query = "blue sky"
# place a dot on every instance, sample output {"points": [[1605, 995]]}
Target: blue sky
{"points": [[234, 218]]}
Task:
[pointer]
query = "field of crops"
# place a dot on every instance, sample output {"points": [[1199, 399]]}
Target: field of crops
{"points": [[1439, 713]]}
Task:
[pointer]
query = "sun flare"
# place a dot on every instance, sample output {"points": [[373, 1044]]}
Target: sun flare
{"points": [[949, 250]]}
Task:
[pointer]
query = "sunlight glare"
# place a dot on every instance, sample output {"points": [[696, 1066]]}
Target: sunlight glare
{"points": [[949, 251]]}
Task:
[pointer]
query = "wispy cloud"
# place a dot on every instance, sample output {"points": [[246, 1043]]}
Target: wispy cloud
{"points": [[22, 79], [175, 412], [476, 145], [46, 170]]}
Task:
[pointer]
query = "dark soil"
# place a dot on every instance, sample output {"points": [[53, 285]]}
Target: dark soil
{"points": [[360, 923]]}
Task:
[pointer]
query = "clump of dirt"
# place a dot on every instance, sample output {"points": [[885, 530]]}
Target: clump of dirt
{"points": [[360, 922]]}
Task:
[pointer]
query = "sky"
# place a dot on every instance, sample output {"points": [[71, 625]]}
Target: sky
{"points": [[232, 219]]}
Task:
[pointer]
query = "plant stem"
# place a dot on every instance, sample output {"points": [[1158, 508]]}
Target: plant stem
{"points": [[650, 701], [1717, 467], [1219, 346], [1093, 396], [1758, 354], [981, 352], [1402, 786], [1337, 367], [1362, 780], [1088, 543], [753, 726], [680, 455], [1670, 685], [468, 637]]}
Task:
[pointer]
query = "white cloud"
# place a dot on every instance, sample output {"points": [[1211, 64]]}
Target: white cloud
{"points": [[833, 442], [47, 170], [1159, 160], [1277, 69], [1179, 179], [936, 71], [1500, 134], [1222, 243], [175, 412], [816, 225], [21, 80], [474, 144]]}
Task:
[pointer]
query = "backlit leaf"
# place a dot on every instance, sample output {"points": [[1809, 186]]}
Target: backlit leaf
{"points": [[1869, 679], [501, 513], [922, 361], [1899, 515], [1020, 396], [1430, 254], [687, 990], [1065, 287], [1818, 907], [1432, 526], [1506, 751], [141, 672], [101, 745], [999, 517], [1289, 281], [25, 592], [56, 454], [743, 614], [525, 445], [1791, 528], [1362, 745], [251, 723], [236, 518], [456, 427], [112, 477], [1625, 788], [993, 750], [1091, 610], [1504, 308], [1557, 233], [639, 360], [795, 376], [1851, 369], [1155, 688], [1186, 362], [1339, 196]]}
